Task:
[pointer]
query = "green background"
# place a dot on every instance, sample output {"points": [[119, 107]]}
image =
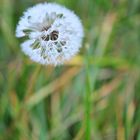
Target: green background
{"points": [[95, 96]]}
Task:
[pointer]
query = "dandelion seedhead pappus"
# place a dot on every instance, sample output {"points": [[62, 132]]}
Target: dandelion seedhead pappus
{"points": [[54, 34]]}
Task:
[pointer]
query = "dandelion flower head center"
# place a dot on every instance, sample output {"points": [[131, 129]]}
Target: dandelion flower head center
{"points": [[48, 32]]}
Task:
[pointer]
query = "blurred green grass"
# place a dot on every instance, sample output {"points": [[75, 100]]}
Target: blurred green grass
{"points": [[95, 96]]}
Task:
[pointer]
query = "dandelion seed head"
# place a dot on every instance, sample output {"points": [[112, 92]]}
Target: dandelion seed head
{"points": [[54, 33]]}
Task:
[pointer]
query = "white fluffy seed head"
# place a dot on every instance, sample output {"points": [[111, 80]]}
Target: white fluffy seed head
{"points": [[54, 34]]}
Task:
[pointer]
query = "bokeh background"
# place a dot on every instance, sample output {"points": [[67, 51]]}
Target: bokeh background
{"points": [[95, 96]]}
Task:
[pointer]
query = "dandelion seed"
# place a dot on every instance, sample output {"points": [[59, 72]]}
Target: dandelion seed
{"points": [[54, 33]]}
